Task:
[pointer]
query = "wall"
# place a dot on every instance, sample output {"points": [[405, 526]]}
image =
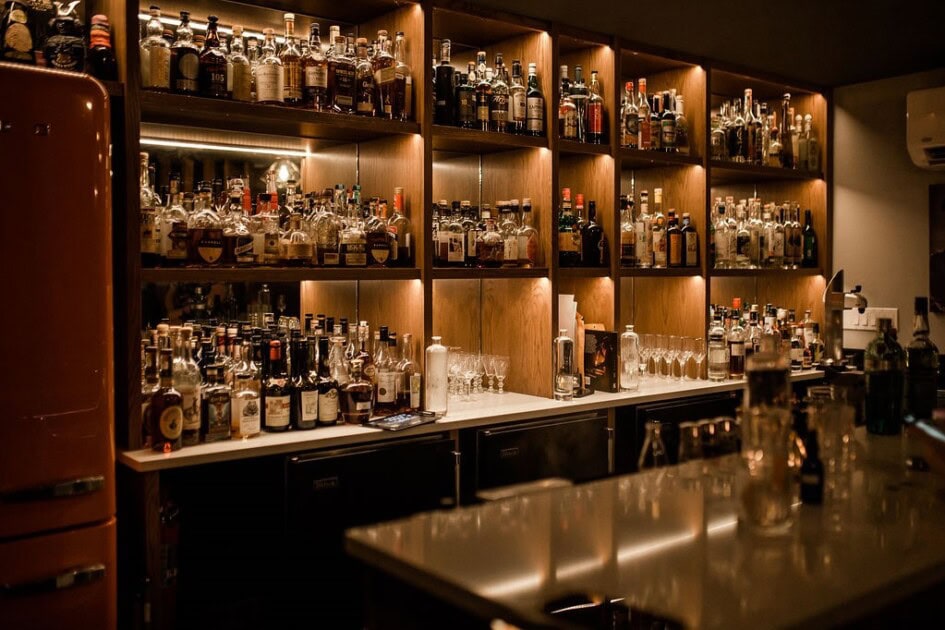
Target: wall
{"points": [[881, 199]]}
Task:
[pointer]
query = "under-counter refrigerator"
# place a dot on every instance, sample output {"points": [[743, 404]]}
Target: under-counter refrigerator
{"points": [[57, 459]]}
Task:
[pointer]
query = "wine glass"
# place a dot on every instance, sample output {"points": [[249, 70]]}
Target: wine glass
{"points": [[480, 372], [454, 360], [646, 347], [501, 371], [686, 346], [672, 355], [661, 352], [469, 373], [698, 352], [488, 364]]}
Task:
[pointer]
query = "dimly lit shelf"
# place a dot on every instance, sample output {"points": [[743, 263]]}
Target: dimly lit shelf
{"points": [[444, 273], [674, 272], [584, 272], [274, 274], [570, 147], [635, 158], [735, 172], [750, 273], [227, 115], [459, 140]]}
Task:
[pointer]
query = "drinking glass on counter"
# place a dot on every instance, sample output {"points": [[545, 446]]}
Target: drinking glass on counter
{"points": [[501, 371], [833, 418], [767, 488], [698, 352], [488, 367], [646, 351], [686, 356]]}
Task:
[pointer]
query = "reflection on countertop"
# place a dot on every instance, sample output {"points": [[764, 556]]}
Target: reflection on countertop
{"points": [[669, 542]]}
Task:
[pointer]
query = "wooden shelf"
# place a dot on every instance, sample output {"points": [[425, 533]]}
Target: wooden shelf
{"points": [[274, 274], [224, 115], [735, 172], [750, 273], [114, 88], [584, 272], [637, 159], [444, 273], [675, 272], [570, 147], [459, 140]]}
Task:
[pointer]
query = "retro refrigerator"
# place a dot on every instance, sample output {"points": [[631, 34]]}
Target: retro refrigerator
{"points": [[57, 460]]}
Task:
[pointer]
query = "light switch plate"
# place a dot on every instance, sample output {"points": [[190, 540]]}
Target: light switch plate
{"points": [[868, 321]]}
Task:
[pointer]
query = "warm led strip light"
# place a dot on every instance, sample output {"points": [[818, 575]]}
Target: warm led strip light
{"points": [[229, 148], [200, 26]]}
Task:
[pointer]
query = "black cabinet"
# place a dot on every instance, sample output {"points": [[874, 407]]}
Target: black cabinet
{"points": [[572, 447]]}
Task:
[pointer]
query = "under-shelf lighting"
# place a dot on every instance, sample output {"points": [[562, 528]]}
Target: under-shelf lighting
{"points": [[202, 26], [227, 148]]}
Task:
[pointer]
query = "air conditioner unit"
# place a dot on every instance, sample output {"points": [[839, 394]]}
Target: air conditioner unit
{"points": [[925, 127]]}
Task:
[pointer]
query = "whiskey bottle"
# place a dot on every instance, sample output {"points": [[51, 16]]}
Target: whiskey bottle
{"points": [[534, 104], [579, 95], [365, 92], [491, 246], [658, 230], [327, 237], [212, 60], [100, 60], [675, 252], [315, 73], [569, 254], [921, 365], [809, 255], [353, 244], [357, 397], [378, 237], [165, 411], [595, 112], [483, 93], [155, 54], [341, 78], [401, 242], [529, 244], [627, 233], [465, 98], [499, 107], [269, 76], [150, 227], [291, 58], [215, 402], [187, 382], [185, 61], [668, 125], [303, 390], [443, 107], [277, 403], [690, 242], [594, 252], [245, 407], [385, 369], [629, 118], [241, 72], [408, 376], [385, 75], [204, 231], [297, 247], [517, 100], [682, 127]]}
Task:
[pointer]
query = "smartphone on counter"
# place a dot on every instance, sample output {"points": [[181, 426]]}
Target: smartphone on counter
{"points": [[401, 421]]}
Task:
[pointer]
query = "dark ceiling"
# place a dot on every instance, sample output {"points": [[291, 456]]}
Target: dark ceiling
{"points": [[826, 42]]}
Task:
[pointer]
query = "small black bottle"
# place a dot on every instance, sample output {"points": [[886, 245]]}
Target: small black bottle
{"points": [[812, 473]]}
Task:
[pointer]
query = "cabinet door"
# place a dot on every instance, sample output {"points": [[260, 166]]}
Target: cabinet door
{"points": [[573, 448], [63, 580], [56, 450]]}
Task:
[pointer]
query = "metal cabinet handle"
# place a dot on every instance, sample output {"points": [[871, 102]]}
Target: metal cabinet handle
{"points": [[77, 576], [610, 451], [456, 458], [58, 490]]}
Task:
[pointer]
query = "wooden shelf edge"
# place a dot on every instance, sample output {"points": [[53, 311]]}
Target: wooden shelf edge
{"points": [[274, 274], [657, 158], [460, 140], [570, 147], [630, 272], [748, 273], [584, 272], [448, 273], [733, 170]]}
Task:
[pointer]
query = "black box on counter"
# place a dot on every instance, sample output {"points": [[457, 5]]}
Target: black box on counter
{"points": [[601, 349]]}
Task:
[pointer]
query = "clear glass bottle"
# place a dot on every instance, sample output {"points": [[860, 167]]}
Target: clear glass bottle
{"points": [[643, 226], [185, 59], [241, 73], [403, 81], [565, 374], [155, 53], [629, 360], [328, 237], [291, 58], [187, 381], [653, 454], [921, 365], [658, 230], [436, 386], [365, 91], [718, 353], [315, 72], [534, 104], [508, 227], [736, 349], [353, 243], [884, 364], [517, 100], [297, 246], [150, 226], [629, 118], [385, 77], [529, 244], [270, 78], [408, 374], [499, 107], [742, 239], [491, 246], [342, 80], [595, 112], [245, 406], [682, 126], [215, 407]]}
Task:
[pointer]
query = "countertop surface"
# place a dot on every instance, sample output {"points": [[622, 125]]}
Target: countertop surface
{"points": [[486, 409], [669, 542]]}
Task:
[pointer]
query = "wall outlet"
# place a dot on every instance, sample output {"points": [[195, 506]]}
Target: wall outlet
{"points": [[869, 320]]}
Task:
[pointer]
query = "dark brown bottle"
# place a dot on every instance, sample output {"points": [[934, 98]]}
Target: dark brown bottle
{"points": [[593, 240], [166, 411], [277, 403], [675, 249], [100, 61], [213, 64], [304, 390], [357, 397]]}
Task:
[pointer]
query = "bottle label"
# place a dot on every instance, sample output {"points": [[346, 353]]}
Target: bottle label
{"points": [[643, 247], [171, 423], [159, 67], [298, 251], [644, 141], [386, 386], [415, 380], [190, 406], [316, 76], [241, 79], [659, 247], [631, 130], [466, 106], [309, 410], [292, 80], [344, 88], [278, 411], [455, 251], [328, 406], [535, 113], [482, 109], [269, 80], [519, 107], [365, 104], [675, 250], [380, 252], [207, 245], [188, 69], [737, 348], [566, 242], [472, 236], [243, 248], [692, 249], [246, 411], [362, 406], [628, 246], [510, 248], [218, 416], [777, 245], [718, 355], [669, 133], [150, 232], [569, 124], [595, 118]]}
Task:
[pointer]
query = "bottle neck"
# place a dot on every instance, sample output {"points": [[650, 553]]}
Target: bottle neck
{"points": [[920, 327]]}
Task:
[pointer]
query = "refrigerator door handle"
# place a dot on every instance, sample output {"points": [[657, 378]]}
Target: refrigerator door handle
{"points": [[457, 455], [610, 451], [58, 490], [77, 576]]}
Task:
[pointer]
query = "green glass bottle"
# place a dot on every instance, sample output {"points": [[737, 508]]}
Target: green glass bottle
{"points": [[884, 363], [922, 365]]}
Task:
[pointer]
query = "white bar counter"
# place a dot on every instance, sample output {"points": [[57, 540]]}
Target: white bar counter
{"points": [[489, 409], [669, 542]]}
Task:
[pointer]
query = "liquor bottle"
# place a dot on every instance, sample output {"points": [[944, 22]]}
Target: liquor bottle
{"points": [[737, 143], [357, 397], [483, 94], [579, 95], [291, 59], [594, 251], [277, 402], [643, 226], [682, 127], [810, 254], [668, 125], [565, 375], [473, 229], [303, 391], [100, 59], [385, 75], [365, 91], [529, 244], [736, 349], [187, 382], [331, 369], [245, 406], [658, 230], [212, 60], [403, 81], [353, 243], [499, 106], [368, 369], [270, 78], [718, 352], [690, 242], [16, 32], [185, 61], [241, 72], [341, 78], [327, 237], [165, 410], [627, 233], [921, 365], [315, 72], [568, 123], [884, 363], [813, 146], [297, 246], [436, 386], [408, 376], [629, 118], [150, 384], [508, 227], [517, 100], [784, 132], [386, 369], [150, 227], [215, 407], [645, 140], [401, 238], [675, 251], [490, 248], [797, 349], [155, 54], [595, 112], [58, 38], [534, 104], [569, 254], [656, 117], [444, 106], [816, 345], [204, 231], [465, 98], [629, 360], [742, 239]]}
